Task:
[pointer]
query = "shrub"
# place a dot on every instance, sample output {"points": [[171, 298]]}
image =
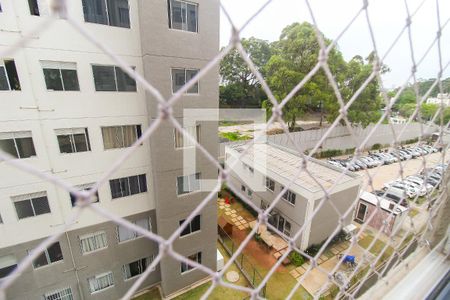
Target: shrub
{"points": [[329, 153], [313, 249], [258, 238], [296, 259], [376, 147], [349, 151]]}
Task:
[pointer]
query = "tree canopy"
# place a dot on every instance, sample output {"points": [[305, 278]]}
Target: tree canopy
{"points": [[285, 62]]}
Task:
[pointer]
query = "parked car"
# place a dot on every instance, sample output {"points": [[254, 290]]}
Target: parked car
{"points": [[396, 195]]}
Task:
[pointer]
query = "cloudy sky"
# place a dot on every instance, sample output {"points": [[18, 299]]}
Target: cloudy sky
{"points": [[387, 17]]}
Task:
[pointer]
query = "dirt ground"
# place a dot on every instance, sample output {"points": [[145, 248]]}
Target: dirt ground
{"points": [[391, 172]]}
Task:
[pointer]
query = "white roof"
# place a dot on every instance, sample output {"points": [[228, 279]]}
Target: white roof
{"points": [[282, 165], [384, 203]]}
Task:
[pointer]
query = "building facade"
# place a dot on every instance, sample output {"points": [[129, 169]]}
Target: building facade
{"points": [[443, 99], [265, 169], [68, 110]]}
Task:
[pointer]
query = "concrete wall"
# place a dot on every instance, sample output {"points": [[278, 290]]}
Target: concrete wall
{"points": [[163, 49], [62, 274]]}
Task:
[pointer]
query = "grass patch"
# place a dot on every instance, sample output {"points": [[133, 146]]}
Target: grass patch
{"points": [[234, 136], [376, 248], [413, 212], [421, 200]]}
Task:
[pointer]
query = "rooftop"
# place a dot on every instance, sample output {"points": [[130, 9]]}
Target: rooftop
{"points": [[282, 164], [384, 203]]}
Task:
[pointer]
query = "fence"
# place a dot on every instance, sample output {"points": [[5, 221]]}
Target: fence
{"points": [[329, 137], [250, 272]]}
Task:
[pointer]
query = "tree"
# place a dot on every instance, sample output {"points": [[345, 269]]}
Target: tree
{"points": [[240, 87]]}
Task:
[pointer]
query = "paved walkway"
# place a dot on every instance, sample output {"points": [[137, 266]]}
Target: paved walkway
{"points": [[236, 219]]}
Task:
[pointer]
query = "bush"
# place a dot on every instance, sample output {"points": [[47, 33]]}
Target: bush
{"points": [[328, 153], [313, 249], [296, 259], [339, 237], [376, 147], [349, 151]]}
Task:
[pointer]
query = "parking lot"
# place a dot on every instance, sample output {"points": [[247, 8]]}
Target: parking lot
{"points": [[387, 173]]}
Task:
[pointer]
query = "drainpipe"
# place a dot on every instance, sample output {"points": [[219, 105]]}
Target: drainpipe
{"points": [[80, 291]]}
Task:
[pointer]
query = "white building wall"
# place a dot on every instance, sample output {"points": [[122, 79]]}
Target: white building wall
{"points": [[40, 111]]}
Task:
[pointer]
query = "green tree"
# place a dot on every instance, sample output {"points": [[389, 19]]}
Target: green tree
{"points": [[240, 87]]}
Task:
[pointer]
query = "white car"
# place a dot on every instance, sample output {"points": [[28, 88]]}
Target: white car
{"points": [[410, 192], [422, 190], [421, 182]]}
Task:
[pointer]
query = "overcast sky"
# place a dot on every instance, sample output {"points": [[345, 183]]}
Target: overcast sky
{"points": [[387, 18]]}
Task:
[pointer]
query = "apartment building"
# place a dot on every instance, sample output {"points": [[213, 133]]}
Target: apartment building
{"points": [[262, 171], [68, 110]]}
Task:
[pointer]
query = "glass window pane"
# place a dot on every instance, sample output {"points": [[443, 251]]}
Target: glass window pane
{"points": [[116, 191], [129, 135], [53, 79], [25, 147], [177, 20], [34, 8], [134, 268], [4, 86], [95, 11], [119, 14], [142, 183], [104, 78], [55, 253], [7, 270], [195, 225], [178, 79], [65, 145], [189, 75], [24, 209], [80, 143], [134, 185], [124, 186], [180, 184], [70, 80], [186, 230], [40, 261], [124, 82], [8, 147], [41, 205], [112, 137], [13, 77], [192, 17]]}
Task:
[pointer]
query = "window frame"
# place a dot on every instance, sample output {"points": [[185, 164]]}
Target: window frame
{"points": [[271, 183], [10, 267], [170, 16], [136, 234], [116, 82], [96, 277], [91, 235], [59, 65], [47, 257], [16, 147], [148, 261], [56, 294], [288, 195], [128, 178], [187, 93], [72, 140], [190, 225], [108, 20], [83, 187], [189, 268], [197, 174], [8, 75], [30, 197], [178, 136], [138, 131]]}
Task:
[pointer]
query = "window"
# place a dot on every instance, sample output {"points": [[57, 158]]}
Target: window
{"points": [[120, 136], [197, 257], [72, 140], [128, 186], [112, 79], [289, 196], [83, 187], [247, 167], [180, 77], [1, 220], [7, 264], [188, 184], [136, 268], [9, 80], [362, 211], [243, 188], [107, 12], [18, 144], [62, 294], [93, 241], [182, 142], [270, 184], [192, 227], [100, 282], [60, 76], [34, 7], [126, 234], [31, 205], [183, 15], [50, 255]]}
